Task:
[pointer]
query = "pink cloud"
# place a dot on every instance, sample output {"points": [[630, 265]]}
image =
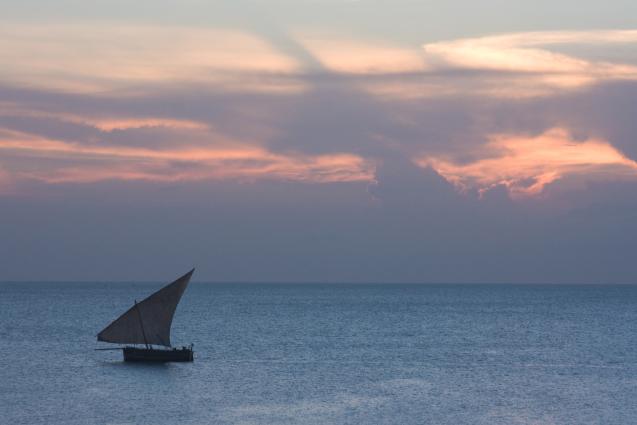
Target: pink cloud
{"points": [[101, 57], [239, 162], [527, 164], [530, 53]]}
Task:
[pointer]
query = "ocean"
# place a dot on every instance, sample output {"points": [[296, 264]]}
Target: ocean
{"points": [[327, 354]]}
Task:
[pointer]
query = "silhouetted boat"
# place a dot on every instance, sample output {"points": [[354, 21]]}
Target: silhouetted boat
{"points": [[148, 322]]}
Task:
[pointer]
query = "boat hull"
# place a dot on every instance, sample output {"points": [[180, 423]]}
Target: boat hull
{"points": [[134, 354]]}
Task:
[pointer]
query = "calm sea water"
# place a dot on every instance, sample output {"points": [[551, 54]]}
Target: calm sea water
{"points": [[327, 354]]}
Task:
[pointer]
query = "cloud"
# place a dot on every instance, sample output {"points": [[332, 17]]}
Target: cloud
{"points": [[527, 52], [5, 182], [103, 123], [243, 162], [184, 104], [527, 164], [362, 57], [373, 150], [102, 57], [543, 70], [120, 60]]}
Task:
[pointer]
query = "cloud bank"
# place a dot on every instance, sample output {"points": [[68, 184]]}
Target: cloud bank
{"points": [[98, 102], [442, 159]]}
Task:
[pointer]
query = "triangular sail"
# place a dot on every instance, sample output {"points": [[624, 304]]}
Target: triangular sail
{"points": [[148, 322]]}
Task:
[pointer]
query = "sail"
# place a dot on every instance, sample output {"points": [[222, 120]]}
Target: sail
{"points": [[148, 322]]}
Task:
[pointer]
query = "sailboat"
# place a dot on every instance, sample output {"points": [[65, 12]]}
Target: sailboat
{"points": [[148, 322]]}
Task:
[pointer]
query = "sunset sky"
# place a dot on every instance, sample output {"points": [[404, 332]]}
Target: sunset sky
{"points": [[319, 140]]}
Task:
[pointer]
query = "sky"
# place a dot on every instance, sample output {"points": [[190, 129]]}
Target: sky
{"points": [[319, 141]]}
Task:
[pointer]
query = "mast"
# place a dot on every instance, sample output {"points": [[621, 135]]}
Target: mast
{"points": [[141, 322]]}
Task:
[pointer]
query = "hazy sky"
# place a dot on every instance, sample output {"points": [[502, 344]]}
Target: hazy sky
{"points": [[329, 141]]}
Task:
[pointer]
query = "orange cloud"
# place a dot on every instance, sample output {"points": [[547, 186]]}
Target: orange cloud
{"points": [[110, 124], [321, 169], [242, 162], [526, 165], [103, 123]]}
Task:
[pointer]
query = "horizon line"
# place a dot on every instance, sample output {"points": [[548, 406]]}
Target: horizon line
{"points": [[290, 282]]}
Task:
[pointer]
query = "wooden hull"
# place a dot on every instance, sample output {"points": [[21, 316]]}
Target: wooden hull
{"points": [[134, 354]]}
